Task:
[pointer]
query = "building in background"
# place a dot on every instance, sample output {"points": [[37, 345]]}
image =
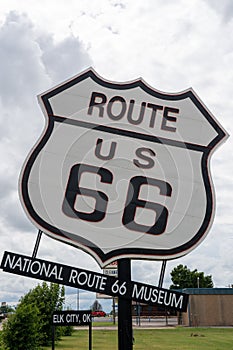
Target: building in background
{"points": [[209, 307]]}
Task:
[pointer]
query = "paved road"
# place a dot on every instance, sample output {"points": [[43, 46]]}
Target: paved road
{"points": [[146, 323]]}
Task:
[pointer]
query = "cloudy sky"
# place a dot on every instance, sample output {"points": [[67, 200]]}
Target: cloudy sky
{"points": [[173, 45]]}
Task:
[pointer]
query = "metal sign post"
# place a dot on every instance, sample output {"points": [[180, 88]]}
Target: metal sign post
{"points": [[162, 273], [36, 247], [53, 337], [125, 334]]}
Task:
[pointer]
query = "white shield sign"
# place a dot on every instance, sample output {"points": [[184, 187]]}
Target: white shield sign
{"points": [[122, 170]]}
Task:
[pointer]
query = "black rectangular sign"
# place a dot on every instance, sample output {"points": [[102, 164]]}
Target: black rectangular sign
{"points": [[72, 318], [93, 281]]}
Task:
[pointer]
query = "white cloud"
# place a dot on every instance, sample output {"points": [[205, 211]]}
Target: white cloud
{"points": [[64, 59], [22, 72], [223, 8]]}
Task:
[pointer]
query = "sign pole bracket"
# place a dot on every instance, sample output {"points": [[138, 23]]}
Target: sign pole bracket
{"points": [[36, 247], [162, 273]]}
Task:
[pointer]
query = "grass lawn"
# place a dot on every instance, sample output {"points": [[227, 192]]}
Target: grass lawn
{"points": [[148, 339]]}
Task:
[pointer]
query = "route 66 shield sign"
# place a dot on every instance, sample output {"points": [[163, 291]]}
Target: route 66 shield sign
{"points": [[122, 170]]}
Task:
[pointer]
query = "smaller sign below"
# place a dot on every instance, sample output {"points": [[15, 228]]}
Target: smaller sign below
{"points": [[111, 269], [72, 318], [110, 272]]}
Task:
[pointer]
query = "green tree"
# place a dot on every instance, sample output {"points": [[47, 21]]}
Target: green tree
{"points": [[21, 331], [47, 299], [182, 277], [30, 326]]}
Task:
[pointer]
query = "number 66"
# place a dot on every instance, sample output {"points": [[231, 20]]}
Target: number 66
{"points": [[101, 199]]}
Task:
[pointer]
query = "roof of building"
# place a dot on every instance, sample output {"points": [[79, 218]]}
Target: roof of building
{"points": [[212, 291]]}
